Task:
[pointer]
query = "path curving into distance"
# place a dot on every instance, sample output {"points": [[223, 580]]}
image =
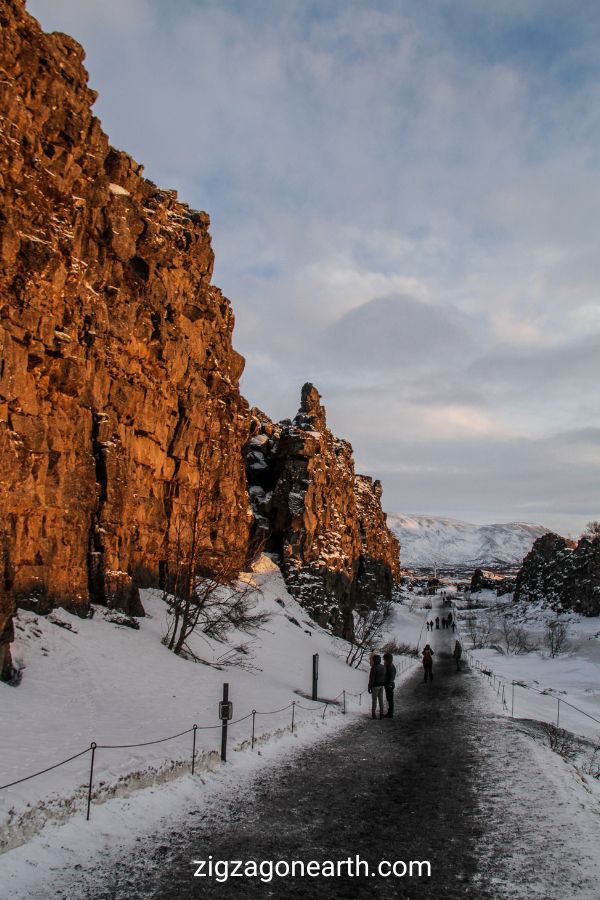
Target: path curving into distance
{"points": [[447, 780]]}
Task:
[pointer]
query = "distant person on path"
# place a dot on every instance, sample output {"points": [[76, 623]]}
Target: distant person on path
{"points": [[428, 662], [457, 654], [450, 618], [453, 627], [390, 679], [376, 683], [437, 621]]}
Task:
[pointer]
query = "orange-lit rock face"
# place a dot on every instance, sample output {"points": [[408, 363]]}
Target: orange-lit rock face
{"points": [[324, 521], [118, 381]]}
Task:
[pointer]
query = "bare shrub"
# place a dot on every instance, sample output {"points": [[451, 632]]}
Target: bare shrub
{"points": [[561, 741], [555, 637], [399, 649], [591, 765], [513, 638], [202, 589], [479, 631], [368, 626]]}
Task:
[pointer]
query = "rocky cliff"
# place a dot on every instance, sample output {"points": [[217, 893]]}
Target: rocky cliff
{"points": [[120, 411], [119, 397], [324, 521], [564, 573]]}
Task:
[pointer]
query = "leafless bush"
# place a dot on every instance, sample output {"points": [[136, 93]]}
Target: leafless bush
{"points": [[561, 741], [513, 639], [202, 588], [555, 637], [397, 649], [368, 625], [591, 765], [479, 631]]}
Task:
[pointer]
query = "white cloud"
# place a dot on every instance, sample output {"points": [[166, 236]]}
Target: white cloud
{"points": [[444, 152]]}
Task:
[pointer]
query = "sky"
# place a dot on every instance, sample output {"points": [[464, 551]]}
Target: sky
{"points": [[405, 209]]}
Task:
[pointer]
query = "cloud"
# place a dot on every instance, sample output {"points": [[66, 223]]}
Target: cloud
{"points": [[404, 203]]}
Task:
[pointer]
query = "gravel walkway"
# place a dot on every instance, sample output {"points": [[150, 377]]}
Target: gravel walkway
{"points": [[446, 780]]}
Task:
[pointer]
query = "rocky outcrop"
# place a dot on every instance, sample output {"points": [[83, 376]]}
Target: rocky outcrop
{"points": [[120, 413], [119, 399], [324, 521], [563, 573]]}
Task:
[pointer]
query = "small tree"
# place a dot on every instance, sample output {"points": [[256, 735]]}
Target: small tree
{"points": [[202, 589], [368, 627], [513, 638], [592, 529], [479, 631], [555, 637]]}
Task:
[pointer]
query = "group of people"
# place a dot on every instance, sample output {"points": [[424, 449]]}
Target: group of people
{"points": [[427, 655], [382, 676], [447, 622], [382, 679]]}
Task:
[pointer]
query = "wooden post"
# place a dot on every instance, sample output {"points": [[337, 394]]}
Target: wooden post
{"points": [[224, 725]]}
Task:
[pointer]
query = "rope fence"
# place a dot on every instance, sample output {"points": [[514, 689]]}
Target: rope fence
{"points": [[320, 706], [500, 683]]}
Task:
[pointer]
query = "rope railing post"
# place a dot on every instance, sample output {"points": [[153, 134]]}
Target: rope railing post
{"points": [[194, 749], [512, 702], [558, 712], [89, 799], [360, 698], [253, 724], [293, 711], [344, 702], [325, 709]]}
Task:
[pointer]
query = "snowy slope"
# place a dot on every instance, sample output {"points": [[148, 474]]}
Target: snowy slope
{"points": [[429, 541], [92, 680]]}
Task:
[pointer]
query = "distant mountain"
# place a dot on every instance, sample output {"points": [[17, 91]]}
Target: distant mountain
{"points": [[431, 540]]}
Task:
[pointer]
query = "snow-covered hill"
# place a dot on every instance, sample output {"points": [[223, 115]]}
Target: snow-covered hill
{"points": [[429, 541]]}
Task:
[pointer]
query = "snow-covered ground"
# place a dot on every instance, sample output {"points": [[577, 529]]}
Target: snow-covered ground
{"points": [[573, 676], [427, 541], [110, 684]]}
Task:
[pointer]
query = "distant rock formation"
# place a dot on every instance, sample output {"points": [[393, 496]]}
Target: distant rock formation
{"points": [[119, 393], [564, 573], [324, 521]]}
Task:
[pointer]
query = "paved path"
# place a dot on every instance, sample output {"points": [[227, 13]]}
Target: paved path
{"points": [[435, 783]]}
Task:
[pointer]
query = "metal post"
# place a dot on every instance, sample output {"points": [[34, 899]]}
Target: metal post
{"points": [[360, 698], [557, 712], [253, 721], [194, 749], [324, 710], [293, 711], [344, 693], [93, 748], [224, 725], [512, 702], [315, 675]]}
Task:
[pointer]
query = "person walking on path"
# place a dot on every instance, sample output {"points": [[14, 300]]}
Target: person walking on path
{"points": [[437, 621], [376, 683], [457, 653], [390, 678], [428, 663]]}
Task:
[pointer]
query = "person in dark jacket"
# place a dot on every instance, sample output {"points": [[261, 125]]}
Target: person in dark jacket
{"points": [[437, 621], [376, 683], [389, 685], [428, 662], [457, 654]]}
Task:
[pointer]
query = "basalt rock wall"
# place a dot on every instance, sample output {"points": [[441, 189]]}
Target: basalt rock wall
{"points": [[563, 573], [119, 399], [324, 521]]}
